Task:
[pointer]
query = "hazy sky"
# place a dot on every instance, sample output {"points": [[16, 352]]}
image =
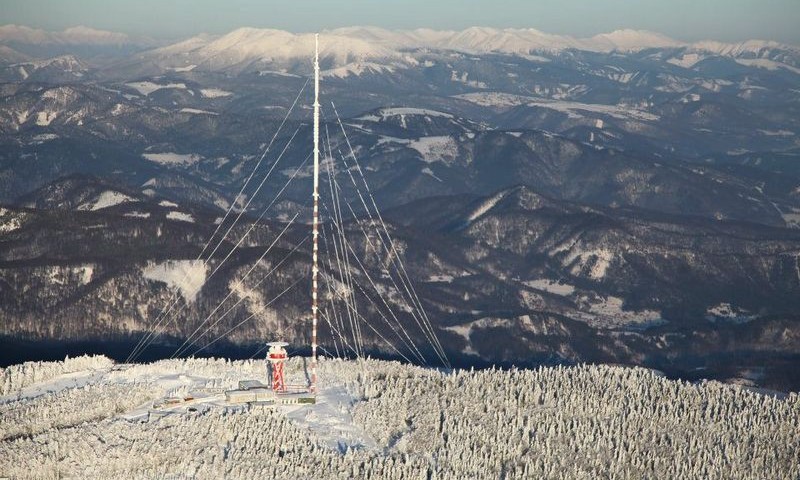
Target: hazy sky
{"points": [[726, 20]]}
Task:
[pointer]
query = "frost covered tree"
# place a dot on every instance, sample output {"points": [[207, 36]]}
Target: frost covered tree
{"points": [[563, 422]]}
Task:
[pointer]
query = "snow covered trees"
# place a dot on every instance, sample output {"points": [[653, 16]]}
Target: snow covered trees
{"points": [[576, 422], [584, 422], [16, 377]]}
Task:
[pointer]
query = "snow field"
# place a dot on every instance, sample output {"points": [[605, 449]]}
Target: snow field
{"points": [[146, 88], [214, 93], [170, 158], [572, 109], [105, 200], [10, 221], [180, 217], [436, 149], [188, 276]]}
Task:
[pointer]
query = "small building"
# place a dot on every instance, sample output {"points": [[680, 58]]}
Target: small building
{"points": [[239, 396], [249, 396]]}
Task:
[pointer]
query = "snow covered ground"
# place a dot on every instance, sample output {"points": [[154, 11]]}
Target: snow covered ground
{"points": [[87, 418], [402, 112], [214, 93], [186, 275], [105, 200], [357, 69], [197, 111], [137, 214], [551, 286], [608, 312], [146, 88], [572, 109], [486, 206], [725, 312], [436, 149], [171, 158], [180, 217], [10, 221]]}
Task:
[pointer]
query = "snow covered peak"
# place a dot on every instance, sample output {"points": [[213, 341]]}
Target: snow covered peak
{"points": [[756, 53], [749, 45], [629, 40], [363, 49], [474, 34], [21, 33], [525, 40], [181, 47], [364, 32], [507, 40], [511, 40], [477, 39], [252, 43], [247, 46], [392, 38], [79, 35], [757, 47]]}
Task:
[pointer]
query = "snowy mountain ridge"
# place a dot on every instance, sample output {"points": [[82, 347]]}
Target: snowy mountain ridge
{"points": [[510, 40], [251, 47], [372, 42], [78, 35], [360, 48], [367, 41], [366, 49]]}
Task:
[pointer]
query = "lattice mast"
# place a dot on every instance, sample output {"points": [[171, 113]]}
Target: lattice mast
{"points": [[315, 221]]}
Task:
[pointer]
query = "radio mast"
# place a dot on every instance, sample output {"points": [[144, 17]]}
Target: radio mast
{"points": [[315, 222]]}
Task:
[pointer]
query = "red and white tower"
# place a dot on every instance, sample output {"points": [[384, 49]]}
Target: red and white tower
{"points": [[315, 223], [277, 356]]}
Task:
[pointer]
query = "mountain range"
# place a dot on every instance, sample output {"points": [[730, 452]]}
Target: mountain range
{"points": [[624, 198]]}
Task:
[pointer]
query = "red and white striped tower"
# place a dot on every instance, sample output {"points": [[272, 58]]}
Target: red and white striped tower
{"points": [[277, 357], [315, 224]]}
